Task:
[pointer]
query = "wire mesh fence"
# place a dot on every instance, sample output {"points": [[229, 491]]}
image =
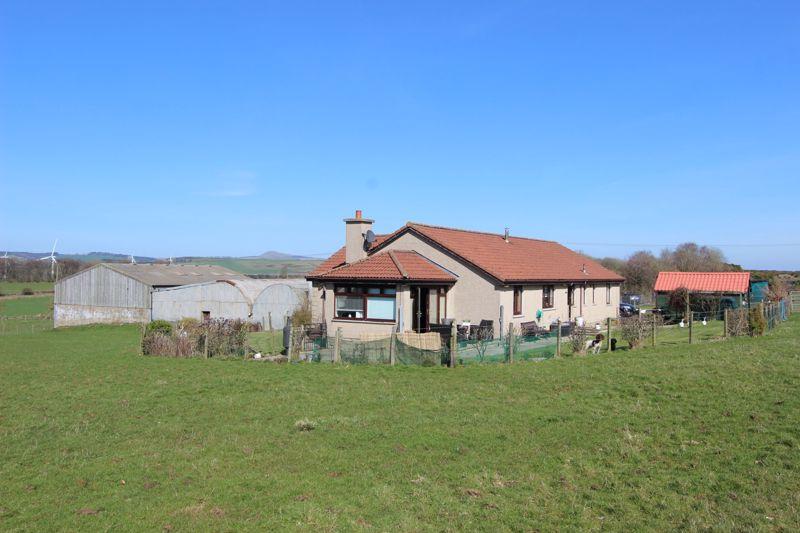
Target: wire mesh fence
{"points": [[25, 325], [693, 327]]}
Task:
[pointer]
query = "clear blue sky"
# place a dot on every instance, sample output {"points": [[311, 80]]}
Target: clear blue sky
{"points": [[231, 128]]}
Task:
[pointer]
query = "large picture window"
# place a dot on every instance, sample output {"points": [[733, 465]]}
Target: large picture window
{"points": [[365, 303], [547, 297]]}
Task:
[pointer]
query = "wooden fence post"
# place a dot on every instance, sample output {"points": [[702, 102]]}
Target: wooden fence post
{"points": [[337, 346], [725, 321], [691, 321], [205, 344], [392, 356], [453, 344], [511, 342], [290, 343], [654, 330], [608, 334], [558, 338]]}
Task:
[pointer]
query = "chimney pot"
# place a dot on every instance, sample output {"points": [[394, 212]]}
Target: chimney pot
{"points": [[358, 213], [505, 236]]}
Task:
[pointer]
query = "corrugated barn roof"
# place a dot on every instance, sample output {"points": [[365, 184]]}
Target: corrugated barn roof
{"points": [[158, 275]]}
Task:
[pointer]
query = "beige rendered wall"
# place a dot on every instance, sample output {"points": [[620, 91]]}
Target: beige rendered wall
{"points": [[532, 302], [473, 297]]}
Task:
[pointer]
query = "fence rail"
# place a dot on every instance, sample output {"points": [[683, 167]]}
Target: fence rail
{"points": [[25, 324]]}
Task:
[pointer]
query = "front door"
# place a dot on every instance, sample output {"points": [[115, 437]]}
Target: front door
{"points": [[419, 307]]}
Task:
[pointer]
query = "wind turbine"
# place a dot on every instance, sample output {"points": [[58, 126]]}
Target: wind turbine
{"points": [[52, 258], [133, 260], [170, 260]]}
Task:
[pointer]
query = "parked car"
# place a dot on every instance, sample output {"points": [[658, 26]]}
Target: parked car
{"points": [[628, 310]]}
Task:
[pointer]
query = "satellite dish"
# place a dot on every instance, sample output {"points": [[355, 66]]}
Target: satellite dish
{"points": [[369, 236]]}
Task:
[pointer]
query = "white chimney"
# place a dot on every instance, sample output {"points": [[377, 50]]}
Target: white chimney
{"points": [[355, 229]]}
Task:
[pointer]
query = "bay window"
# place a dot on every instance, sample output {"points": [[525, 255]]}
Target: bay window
{"points": [[356, 302]]}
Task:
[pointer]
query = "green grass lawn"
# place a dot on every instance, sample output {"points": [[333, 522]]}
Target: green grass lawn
{"points": [[16, 287], [96, 437], [26, 306], [266, 342]]}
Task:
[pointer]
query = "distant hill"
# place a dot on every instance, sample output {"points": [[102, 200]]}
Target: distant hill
{"points": [[280, 255], [268, 264]]}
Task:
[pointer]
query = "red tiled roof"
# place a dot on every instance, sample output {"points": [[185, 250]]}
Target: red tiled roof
{"points": [[519, 260], [724, 282], [394, 265], [337, 259]]}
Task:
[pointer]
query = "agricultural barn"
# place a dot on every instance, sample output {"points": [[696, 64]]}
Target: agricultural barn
{"points": [[111, 293], [268, 302]]}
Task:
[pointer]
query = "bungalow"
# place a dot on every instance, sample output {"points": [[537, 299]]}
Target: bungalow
{"points": [[422, 275]]}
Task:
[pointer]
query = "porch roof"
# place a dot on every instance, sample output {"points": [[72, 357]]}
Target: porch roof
{"points": [[393, 265]]}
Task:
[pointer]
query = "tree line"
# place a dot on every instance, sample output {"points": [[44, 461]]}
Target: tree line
{"points": [[641, 268], [30, 270]]}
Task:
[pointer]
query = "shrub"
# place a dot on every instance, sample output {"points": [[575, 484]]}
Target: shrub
{"points": [[738, 322], [27, 291], [156, 343], [577, 340], [678, 301], [634, 330], [158, 326], [190, 338], [302, 315], [756, 322]]}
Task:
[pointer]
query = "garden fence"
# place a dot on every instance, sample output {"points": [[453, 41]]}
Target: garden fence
{"points": [[21, 325]]}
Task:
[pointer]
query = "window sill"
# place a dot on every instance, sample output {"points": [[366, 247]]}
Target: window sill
{"points": [[362, 320], [548, 309], [518, 316]]}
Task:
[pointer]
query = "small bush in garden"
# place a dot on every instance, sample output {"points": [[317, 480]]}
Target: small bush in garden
{"points": [[756, 322], [27, 291], [577, 340], [302, 315], [159, 326], [738, 322], [634, 329], [156, 343]]}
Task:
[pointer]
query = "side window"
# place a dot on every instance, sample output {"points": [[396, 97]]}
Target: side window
{"points": [[518, 300], [547, 297], [608, 293]]}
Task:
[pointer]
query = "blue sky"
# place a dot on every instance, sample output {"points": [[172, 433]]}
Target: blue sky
{"points": [[231, 128]]}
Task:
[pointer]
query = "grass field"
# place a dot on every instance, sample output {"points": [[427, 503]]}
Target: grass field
{"points": [[96, 437], [15, 287], [271, 267], [26, 306]]}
